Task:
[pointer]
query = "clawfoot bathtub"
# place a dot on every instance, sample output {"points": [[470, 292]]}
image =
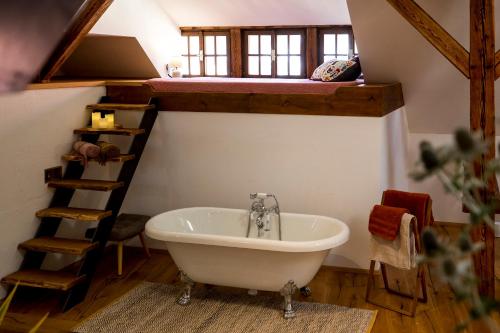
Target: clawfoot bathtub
{"points": [[210, 245]]}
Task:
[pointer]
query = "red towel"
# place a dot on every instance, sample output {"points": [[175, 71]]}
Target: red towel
{"points": [[385, 221], [419, 205]]}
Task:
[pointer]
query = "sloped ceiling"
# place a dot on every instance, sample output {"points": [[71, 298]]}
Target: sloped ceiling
{"points": [[256, 12], [436, 94]]}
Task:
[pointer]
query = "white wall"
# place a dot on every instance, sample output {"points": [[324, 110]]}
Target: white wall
{"points": [[36, 128], [333, 166], [256, 12], [145, 20]]}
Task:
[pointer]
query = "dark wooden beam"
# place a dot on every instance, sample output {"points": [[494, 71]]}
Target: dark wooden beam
{"points": [[86, 19], [354, 101], [236, 61], [311, 50], [482, 119], [497, 65], [434, 33]]}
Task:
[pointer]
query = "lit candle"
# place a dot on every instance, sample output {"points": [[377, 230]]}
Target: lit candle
{"points": [[110, 120], [96, 119]]}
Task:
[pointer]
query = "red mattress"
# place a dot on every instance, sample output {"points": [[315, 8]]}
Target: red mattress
{"points": [[246, 85]]}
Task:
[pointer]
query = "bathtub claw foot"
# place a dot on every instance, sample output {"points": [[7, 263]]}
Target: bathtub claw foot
{"points": [[287, 292], [185, 298], [305, 291]]}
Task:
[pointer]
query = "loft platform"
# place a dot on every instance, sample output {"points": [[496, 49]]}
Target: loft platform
{"points": [[362, 100]]}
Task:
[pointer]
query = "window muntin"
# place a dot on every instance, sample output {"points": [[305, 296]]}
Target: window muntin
{"points": [[191, 56], [274, 53], [289, 55], [336, 44], [259, 54], [216, 54], [205, 53]]}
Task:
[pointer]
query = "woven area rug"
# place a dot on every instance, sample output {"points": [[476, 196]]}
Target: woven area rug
{"points": [[151, 308]]}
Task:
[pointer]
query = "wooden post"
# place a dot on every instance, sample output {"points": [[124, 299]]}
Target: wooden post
{"points": [[482, 119], [312, 50], [236, 61]]}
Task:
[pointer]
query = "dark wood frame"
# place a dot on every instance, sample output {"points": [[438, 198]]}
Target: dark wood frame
{"points": [[245, 54], [198, 34], [274, 33], [228, 51], [238, 58], [303, 51], [201, 34], [333, 30]]}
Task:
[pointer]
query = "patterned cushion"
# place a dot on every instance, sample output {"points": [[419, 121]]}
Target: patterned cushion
{"points": [[338, 70]]}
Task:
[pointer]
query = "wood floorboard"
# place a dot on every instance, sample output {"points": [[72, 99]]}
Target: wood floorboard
{"points": [[330, 285]]}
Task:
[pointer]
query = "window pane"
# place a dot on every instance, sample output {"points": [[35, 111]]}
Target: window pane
{"points": [[329, 44], [295, 44], [343, 44], [209, 45], [282, 64], [194, 45], [343, 57], [210, 65], [265, 65], [185, 45], [253, 44], [282, 44], [221, 45], [195, 65], [253, 65], [295, 65], [328, 58], [265, 44], [185, 66], [222, 65], [355, 48]]}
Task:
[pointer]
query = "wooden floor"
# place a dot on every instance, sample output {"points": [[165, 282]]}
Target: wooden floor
{"points": [[330, 285]]}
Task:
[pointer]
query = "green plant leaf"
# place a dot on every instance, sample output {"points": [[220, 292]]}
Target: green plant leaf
{"points": [[39, 324], [5, 305]]}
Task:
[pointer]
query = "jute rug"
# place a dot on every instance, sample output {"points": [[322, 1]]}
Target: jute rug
{"points": [[151, 308]]}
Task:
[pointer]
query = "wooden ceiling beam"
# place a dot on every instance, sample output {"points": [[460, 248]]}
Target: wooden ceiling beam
{"points": [[86, 18], [434, 33], [497, 65]]}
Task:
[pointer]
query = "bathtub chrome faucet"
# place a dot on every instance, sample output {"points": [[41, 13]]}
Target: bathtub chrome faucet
{"points": [[261, 214]]}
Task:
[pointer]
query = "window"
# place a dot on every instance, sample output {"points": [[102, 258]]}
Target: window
{"points": [[191, 55], [336, 43], [274, 53], [205, 53]]}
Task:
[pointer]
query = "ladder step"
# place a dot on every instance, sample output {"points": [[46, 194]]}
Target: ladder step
{"points": [[79, 158], [112, 131], [43, 279], [80, 214], [120, 107], [85, 184], [58, 245]]}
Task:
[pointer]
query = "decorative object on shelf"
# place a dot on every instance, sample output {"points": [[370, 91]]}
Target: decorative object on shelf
{"points": [[87, 150], [107, 151], [103, 119], [175, 66]]}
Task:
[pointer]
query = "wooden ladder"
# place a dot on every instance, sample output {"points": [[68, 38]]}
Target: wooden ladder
{"points": [[75, 285]]}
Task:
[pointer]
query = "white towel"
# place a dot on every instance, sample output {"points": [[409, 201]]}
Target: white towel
{"points": [[401, 252]]}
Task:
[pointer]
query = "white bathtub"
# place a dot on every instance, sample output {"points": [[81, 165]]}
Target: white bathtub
{"points": [[210, 246]]}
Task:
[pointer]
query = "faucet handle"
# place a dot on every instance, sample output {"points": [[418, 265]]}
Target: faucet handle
{"points": [[260, 196]]}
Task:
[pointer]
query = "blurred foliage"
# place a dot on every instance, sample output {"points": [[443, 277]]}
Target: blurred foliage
{"points": [[453, 165]]}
